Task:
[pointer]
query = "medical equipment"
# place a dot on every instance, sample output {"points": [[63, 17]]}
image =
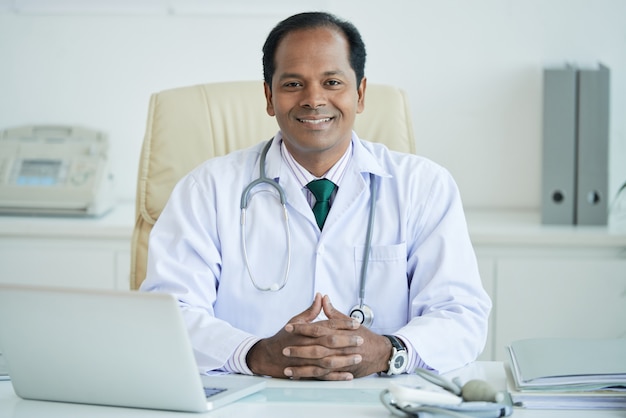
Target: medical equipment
{"points": [[55, 170], [361, 311], [476, 398], [245, 198]]}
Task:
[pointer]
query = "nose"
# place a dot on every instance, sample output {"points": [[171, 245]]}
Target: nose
{"points": [[313, 96]]}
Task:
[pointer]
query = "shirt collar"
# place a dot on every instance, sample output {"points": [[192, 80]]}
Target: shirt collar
{"points": [[359, 156], [303, 176]]}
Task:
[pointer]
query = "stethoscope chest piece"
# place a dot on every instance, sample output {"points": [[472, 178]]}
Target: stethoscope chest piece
{"points": [[363, 314]]}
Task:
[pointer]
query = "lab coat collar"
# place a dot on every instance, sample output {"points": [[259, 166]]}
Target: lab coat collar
{"points": [[363, 160], [363, 163]]}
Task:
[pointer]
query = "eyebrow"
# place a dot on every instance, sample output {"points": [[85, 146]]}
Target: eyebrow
{"points": [[325, 74]]}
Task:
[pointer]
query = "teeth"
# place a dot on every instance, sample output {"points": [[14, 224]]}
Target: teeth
{"points": [[315, 121]]}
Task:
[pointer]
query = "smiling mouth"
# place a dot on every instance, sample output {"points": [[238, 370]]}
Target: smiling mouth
{"points": [[314, 121]]}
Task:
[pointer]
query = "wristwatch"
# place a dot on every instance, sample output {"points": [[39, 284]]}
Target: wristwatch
{"points": [[399, 358]]}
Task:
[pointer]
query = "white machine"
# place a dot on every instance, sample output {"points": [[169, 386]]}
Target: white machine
{"points": [[54, 170]]}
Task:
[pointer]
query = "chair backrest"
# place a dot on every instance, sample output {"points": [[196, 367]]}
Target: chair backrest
{"points": [[189, 125]]}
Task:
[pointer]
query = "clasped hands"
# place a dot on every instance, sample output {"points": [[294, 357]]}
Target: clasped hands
{"points": [[337, 348]]}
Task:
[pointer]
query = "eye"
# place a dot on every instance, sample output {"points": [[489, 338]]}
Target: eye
{"points": [[292, 84], [334, 84]]}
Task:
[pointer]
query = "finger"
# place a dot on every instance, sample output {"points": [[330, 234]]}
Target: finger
{"points": [[320, 352], [316, 372], [337, 376], [328, 307], [323, 328], [312, 372], [333, 314], [345, 323], [309, 314]]}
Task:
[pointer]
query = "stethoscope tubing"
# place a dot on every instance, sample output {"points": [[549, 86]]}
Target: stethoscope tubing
{"points": [[245, 199], [368, 315], [368, 240]]}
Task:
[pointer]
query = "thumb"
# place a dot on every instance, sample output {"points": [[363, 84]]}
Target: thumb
{"points": [[330, 311]]}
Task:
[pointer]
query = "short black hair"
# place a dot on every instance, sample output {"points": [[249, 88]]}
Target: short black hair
{"points": [[311, 20]]}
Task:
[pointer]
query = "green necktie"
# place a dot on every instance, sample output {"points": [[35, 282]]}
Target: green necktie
{"points": [[321, 189]]}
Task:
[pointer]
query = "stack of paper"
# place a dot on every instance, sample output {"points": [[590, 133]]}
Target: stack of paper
{"points": [[571, 373]]}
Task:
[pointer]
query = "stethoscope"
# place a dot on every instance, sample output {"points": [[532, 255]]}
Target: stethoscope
{"points": [[360, 312]]}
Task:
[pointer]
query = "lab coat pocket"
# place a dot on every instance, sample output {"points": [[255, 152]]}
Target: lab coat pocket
{"points": [[386, 266], [386, 284], [382, 253]]}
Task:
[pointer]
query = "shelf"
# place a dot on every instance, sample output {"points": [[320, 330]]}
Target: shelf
{"points": [[525, 228], [486, 228], [116, 224]]}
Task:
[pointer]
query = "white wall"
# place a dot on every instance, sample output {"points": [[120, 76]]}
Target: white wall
{"points": [[473, 72]]}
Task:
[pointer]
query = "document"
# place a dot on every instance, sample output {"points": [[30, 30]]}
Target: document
{"points": [[568, 373], [569, 363], [570, 399]]}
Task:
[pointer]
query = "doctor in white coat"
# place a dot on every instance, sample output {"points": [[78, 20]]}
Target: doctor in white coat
{"points": [[283, 304]]}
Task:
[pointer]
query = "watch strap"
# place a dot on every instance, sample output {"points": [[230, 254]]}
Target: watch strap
{"points": [[396, 342]]}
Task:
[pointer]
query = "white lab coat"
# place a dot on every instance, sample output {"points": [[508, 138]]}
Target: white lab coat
{"points": [[422, 283]]}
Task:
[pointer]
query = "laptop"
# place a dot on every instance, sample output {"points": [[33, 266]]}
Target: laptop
{"points": [[117, 348]]}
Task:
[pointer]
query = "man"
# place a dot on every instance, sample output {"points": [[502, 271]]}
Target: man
{"points": [[262, 312]]}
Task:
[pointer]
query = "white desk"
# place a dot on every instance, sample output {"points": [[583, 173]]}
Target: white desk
{"points": [[285, 398], [538, 276]]}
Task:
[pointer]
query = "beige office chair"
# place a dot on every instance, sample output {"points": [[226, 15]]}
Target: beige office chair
{"points": [[188, 125]]}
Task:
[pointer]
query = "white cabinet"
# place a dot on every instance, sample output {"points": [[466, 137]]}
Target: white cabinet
{"points": [[549, 281], [68, 252], [560, 297], [543, 280]]}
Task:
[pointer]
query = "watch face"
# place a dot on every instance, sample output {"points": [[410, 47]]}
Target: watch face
{"points": [[398, 362]]}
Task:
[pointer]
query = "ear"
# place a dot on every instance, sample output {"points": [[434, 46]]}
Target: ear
{"points": [[361, 95], [269, 107]]}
